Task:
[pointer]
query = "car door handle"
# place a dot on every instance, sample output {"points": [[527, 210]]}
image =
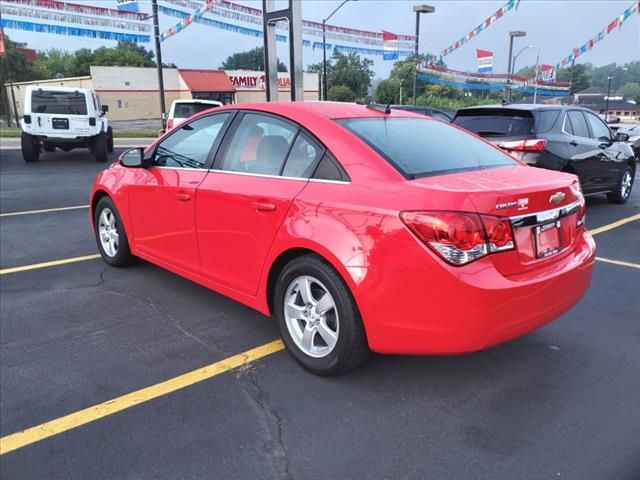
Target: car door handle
{"points": [[574, 143], [264, 206], [183, 197]]}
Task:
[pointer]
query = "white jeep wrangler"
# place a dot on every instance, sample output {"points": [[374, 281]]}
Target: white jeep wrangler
{"points": [[65, 118]]}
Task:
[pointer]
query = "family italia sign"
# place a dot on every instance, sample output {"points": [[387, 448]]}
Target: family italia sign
{"points": [[249, 80]]}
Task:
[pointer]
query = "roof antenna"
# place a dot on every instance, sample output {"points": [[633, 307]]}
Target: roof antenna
{"points": [[387, 108]]}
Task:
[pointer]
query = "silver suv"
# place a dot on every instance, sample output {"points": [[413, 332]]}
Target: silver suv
{"points": [[64, 118]]}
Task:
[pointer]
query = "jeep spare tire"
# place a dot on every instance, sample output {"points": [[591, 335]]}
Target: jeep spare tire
{"points": [[30, 148], [100, 147]]}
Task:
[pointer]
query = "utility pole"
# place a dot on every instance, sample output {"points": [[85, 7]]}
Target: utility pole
{"points": [[156, 34], [418, 9], [325, 89], [610, 77], [573, 64]]}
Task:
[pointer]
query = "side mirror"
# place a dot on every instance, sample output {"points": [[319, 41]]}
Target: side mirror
{"points": [[133, 158], [621, 137], [105, 108]]}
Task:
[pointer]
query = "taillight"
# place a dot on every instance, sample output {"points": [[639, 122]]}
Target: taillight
{"points": [[92, 121], [576, 189], [170, 124], [530, 145], [460, 238], [27, 119]]}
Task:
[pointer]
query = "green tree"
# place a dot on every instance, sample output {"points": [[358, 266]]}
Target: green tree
{"points": [[250, 60], [349, 70], [581, 76], [341, 93], [18, 67], [631, 91], [387, 91]]}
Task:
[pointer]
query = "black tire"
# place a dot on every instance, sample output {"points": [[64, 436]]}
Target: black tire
{"points": [[623, 189], [47, 147], [30, 148], [122, 256], [351, 348], [110, 140], [100, 147]]}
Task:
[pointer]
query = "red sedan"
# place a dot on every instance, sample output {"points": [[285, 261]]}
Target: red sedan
{"points": [[356, 229]]}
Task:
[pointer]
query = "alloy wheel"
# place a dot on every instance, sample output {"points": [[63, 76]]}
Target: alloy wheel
{"points": [[108, 232], [311, 316], [625, 185]]}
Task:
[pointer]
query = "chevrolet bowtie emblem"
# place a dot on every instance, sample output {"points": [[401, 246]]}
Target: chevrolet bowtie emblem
{"points": [[557, 198]]}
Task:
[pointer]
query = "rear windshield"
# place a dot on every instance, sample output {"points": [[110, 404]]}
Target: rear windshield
{"points": [[496, 123], [420, 147], [58, 103], [185, 110]]}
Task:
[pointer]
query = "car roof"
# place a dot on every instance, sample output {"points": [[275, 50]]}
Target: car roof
{"points": [[59, 89], [330, 110], [522, 106], [197, 100]]}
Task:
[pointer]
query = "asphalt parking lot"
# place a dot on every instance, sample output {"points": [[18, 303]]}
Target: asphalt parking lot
{"points": [[77, 338]]}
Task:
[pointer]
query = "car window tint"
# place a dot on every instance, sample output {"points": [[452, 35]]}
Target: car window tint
{"points": [[259, 145], [419, 147], [546, 120], [599, 130], [189, 145], [302, 158], [328, 170], [185, 110], [578, 123], [567, 127], [58, 103]]}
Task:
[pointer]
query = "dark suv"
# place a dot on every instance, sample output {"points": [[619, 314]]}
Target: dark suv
{"points": [[559, 137]]}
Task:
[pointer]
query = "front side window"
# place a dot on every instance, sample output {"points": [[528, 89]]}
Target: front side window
{"points": [[421, 147], [260, 145], [578, 124], [599, 130], [189, 145], [58, 103]]}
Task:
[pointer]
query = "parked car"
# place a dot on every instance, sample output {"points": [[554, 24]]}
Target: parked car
{"points": [[428, 111], [634, 137], [559, 137], [356, 229], [64, 118], [183, 109]]}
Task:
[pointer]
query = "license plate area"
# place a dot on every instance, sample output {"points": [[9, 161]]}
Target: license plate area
{"points": [[60, 123], [548, 239]]}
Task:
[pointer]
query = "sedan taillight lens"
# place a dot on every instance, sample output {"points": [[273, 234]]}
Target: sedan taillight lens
{"points": [[458, 237]]}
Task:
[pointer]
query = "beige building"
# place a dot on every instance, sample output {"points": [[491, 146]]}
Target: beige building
{"points": [[132, 93]]}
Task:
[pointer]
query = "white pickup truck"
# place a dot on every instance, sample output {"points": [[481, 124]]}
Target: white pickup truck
{"points": [[64, 118]]}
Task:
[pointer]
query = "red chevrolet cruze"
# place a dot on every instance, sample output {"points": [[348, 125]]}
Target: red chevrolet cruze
{"points": [[356, 228]]}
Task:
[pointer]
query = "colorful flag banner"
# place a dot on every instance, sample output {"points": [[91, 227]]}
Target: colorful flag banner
{"points": [[64, 17], [611, 26], [73, 31], [81, 9], [547, 73], [128, 5], [389, 45], [529, 88], [485, 61], [510, 5]]}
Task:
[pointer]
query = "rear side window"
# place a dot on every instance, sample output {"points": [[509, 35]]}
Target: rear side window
{"points": [[302, 158], [546, 120], [421, 147], [578, 124], [58, 103], [496, 123], [185, 110]]}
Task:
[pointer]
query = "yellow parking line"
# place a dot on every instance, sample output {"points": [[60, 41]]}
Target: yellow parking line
{"points": [[101, 410], [46, 210], [618, 262], [54, 263], [611, 226]]}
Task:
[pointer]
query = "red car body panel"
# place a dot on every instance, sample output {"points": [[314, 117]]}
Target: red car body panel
{"points": [[233, 228]]}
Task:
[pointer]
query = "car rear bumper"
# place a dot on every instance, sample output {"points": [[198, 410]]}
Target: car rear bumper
{"points": [[452, 310]]}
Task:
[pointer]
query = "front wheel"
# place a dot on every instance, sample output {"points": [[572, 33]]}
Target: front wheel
{"points": [[319, 320], [30, 148], [110, 234], [623, 189]]}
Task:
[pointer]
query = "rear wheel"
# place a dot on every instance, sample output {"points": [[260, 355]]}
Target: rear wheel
{"points": [[30, 147], [109, 140], [319, 320], [110, 235], [100, 147], [623, 189]]}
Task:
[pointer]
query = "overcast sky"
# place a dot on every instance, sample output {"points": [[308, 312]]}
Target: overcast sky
{"points": [[553, 27]]}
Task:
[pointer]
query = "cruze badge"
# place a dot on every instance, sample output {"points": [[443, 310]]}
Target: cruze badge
{"points": [[522, 204], [557, 197]]}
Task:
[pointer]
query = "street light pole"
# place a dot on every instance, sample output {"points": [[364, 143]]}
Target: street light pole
{"points": [[156, 34], [325, 89], [418, 9], [512, 35], [609, 78]]}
